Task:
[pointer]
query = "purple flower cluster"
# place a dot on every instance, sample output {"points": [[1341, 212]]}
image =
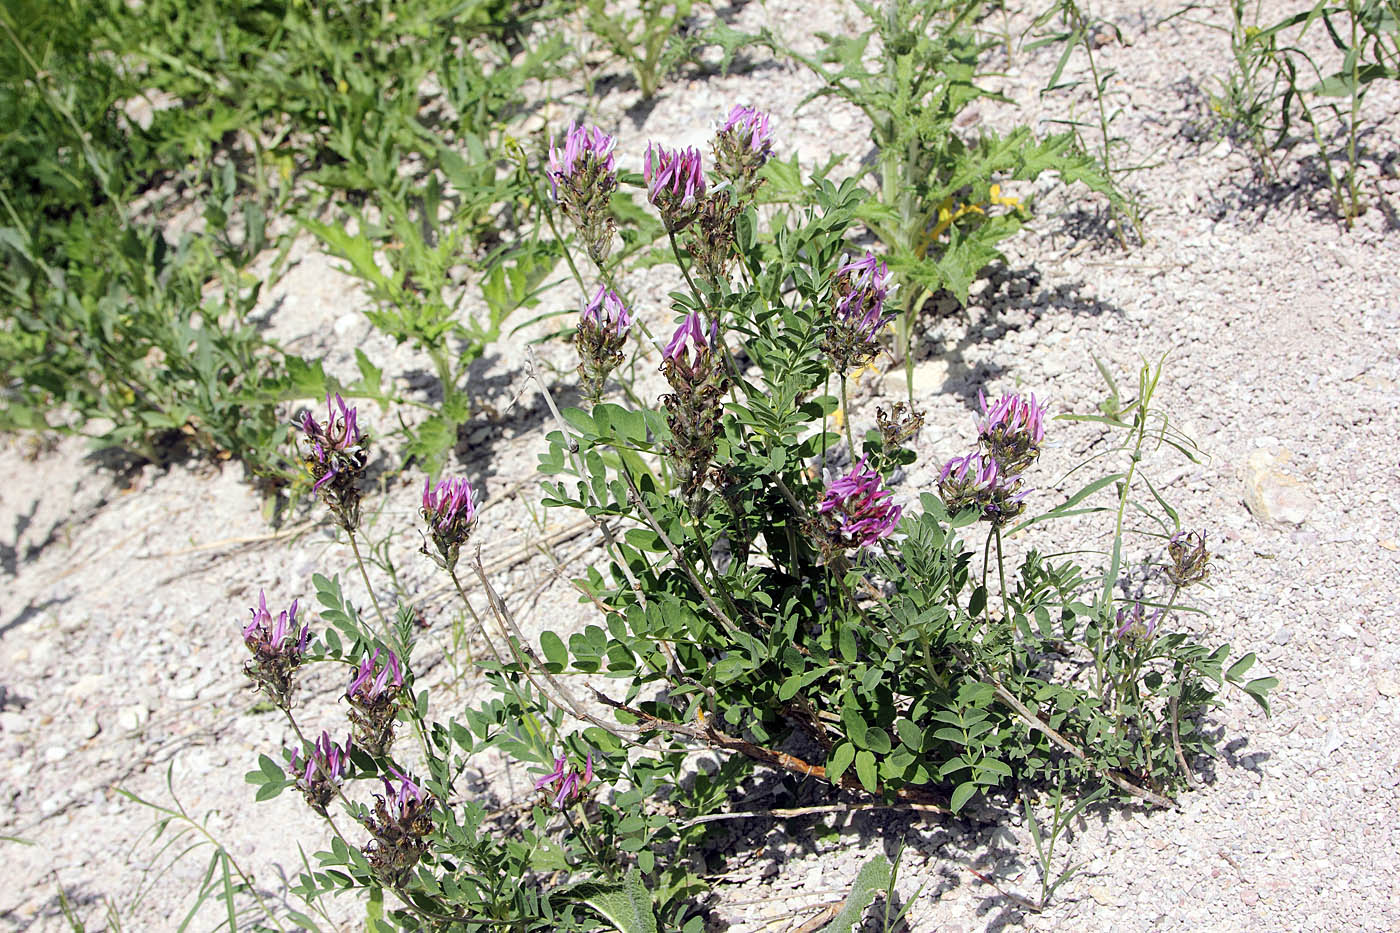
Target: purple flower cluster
{"points": [[318, 774], [861, 287], [373, 683], [860, 507], [582, 179], [586, 149], [606, 313], [408, 799], [601, 334], [741, 147], [977, 480], [336, 458], [449, 505], [1134, 624], [278, 648], [267, 637], [1009, 433], [450, 512], [675, 184], [691, 336], [374, 694], [1011, 430], [566, 783], [749, 128], [339, 435], [693, 406], [401, 822]]}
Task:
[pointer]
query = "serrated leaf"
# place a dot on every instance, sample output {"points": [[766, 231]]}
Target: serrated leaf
{"points": [[874, 876], [627, 906]]}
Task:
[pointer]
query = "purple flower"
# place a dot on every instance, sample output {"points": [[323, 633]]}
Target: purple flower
{"points": [[372, 684], [606, 312], [336, 458], [691, 335], [401, 821], [675, 183], [860, 507], [1012, 414], [277, 647], [978, 480], [582, 144], [317, 776], [449, 505], [1134, 623], [450, 511], [407, 797], [338, 435], [567, 783], [862, 286], [327, 761], [268, 638], [748, 127], [973, 473]]}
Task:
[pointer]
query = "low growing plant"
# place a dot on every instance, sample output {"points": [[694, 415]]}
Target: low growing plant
{"points": [[1274, 73], [762, 597], [938, 205]]}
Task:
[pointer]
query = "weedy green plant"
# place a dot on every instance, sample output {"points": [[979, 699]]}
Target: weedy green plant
{"points": [[1274, 73], [127, 335], [1045, 839], [415, 266], [1072, 25], [756, 599], [662, 36], [939, 208], [114, 101]]}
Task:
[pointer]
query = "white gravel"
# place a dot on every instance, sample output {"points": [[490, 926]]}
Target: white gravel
{"points": [[123, 590]]}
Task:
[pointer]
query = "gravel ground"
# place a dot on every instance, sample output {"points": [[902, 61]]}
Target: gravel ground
{"points": [[124, 586]]}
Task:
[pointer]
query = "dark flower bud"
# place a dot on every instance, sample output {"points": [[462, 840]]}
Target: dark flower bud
{"points": [[1190, 561]]}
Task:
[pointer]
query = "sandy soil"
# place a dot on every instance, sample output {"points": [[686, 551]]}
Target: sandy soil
{"points": [[124, 587]]}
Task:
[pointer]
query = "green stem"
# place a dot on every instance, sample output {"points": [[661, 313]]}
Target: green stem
{"points": [[676, 250], [584, 837], [846, 419], [986, 565], [1001, 575], [386, 632], [530, 722], [1354, 210]]}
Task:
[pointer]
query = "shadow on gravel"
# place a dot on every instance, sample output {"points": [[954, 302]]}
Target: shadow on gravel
{"points": [[1012, 300], [1302, 184], [30, 611]]}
